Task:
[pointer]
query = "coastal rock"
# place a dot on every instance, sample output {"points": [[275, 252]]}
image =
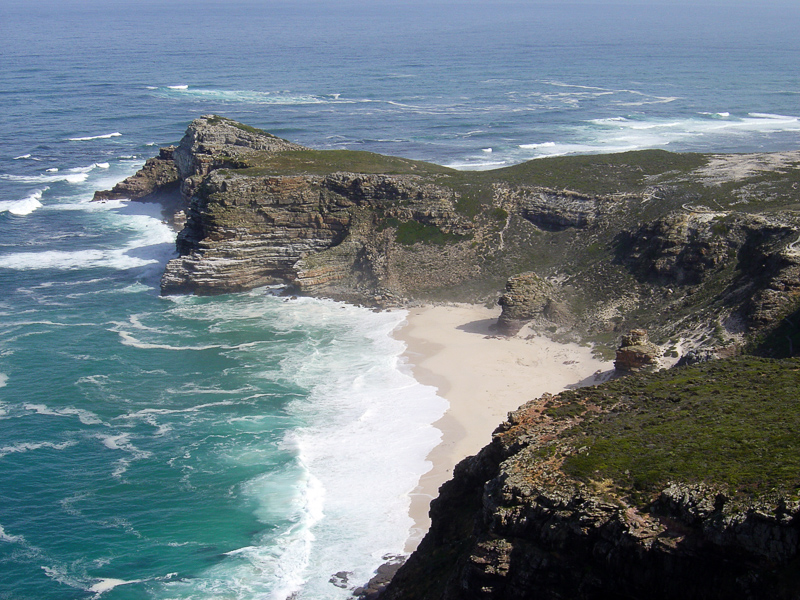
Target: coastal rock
{"points": [[695, 356], [212, 142], [681, 248], [157, 181], [553, 210], [696, 247], [259, 210], [527, 296], [636, 352], [314, 232]]}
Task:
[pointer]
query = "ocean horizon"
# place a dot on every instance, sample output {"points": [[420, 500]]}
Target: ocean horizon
{"points": [[250, 446]]}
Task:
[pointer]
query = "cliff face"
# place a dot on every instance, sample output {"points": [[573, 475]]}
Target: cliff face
{"points": [[319, 233], [157, 181], [752, 256], [555, 507]]}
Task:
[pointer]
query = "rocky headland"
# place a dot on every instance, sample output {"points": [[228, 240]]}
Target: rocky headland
{"points": [[700, 250], [663, 484]]}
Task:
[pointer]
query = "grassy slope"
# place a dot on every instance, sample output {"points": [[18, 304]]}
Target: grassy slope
{"points": [[730, 422]]}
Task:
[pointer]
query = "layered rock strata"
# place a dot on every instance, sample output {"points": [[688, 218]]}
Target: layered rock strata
{"points": [[627, 250], [315, 232], [157, 181]]}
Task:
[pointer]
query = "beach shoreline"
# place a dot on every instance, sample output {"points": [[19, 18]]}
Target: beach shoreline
{"points": [[483, 376]]}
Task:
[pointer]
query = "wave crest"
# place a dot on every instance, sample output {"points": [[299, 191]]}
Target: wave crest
{"points": [[95, 137]]}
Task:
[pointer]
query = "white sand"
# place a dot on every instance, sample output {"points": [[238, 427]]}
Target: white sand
{"points": [[484, 378]]}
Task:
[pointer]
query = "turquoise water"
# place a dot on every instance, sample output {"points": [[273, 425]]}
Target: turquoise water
{"points": [[248, 446]]}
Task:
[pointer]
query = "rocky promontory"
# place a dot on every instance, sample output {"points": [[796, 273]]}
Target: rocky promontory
{"points": [[675, 485], [700, 250]]}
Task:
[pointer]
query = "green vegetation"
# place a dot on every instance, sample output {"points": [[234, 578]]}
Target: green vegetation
{"points": [[324, 162], [728, 422], [602, 173], [411, 232], [781, 341], [499, 214]]}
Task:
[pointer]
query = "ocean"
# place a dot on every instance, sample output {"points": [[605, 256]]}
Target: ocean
{"points": [[250, 446]]}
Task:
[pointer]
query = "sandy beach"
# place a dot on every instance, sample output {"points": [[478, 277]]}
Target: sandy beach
{"points": [[483, 377]]}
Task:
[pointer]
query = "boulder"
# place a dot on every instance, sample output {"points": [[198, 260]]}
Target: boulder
{"points": [[527, 297], [636, 352]]}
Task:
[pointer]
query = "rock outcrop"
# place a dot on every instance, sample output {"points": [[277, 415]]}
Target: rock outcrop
{"points": [[157, 181], [527, 297], [636, 352], [311, 231], [553, 210], [546, 512]]}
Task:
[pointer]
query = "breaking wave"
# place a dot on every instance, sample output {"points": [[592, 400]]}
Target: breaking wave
{"points": [[25, 206], [95, 137]]}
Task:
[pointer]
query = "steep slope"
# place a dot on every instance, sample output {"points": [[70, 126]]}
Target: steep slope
{"points": [[674, 485]]}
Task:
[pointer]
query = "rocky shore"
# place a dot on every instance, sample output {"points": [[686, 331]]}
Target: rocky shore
{"points": [[632, 489], [682, 257]]}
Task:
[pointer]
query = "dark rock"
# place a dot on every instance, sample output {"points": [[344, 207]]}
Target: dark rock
{"points": [[552, 210], [695, 356], [156, 181], [383, 576]]}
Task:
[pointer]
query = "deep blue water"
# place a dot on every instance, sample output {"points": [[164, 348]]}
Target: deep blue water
{"points": [[242, 446]]}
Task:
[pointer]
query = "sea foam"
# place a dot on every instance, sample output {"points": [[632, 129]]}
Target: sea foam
{"points": [[108, 584], [63, 260], [150, 242], [10, 539], [368, 435], [365, 430], [30, 446], [95, 137], [86, 417], [246, 96], [25, 206]]}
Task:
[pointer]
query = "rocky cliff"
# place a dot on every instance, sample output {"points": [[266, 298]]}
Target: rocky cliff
{"points": [[673, 485], [699, 249], [316, 232]]}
